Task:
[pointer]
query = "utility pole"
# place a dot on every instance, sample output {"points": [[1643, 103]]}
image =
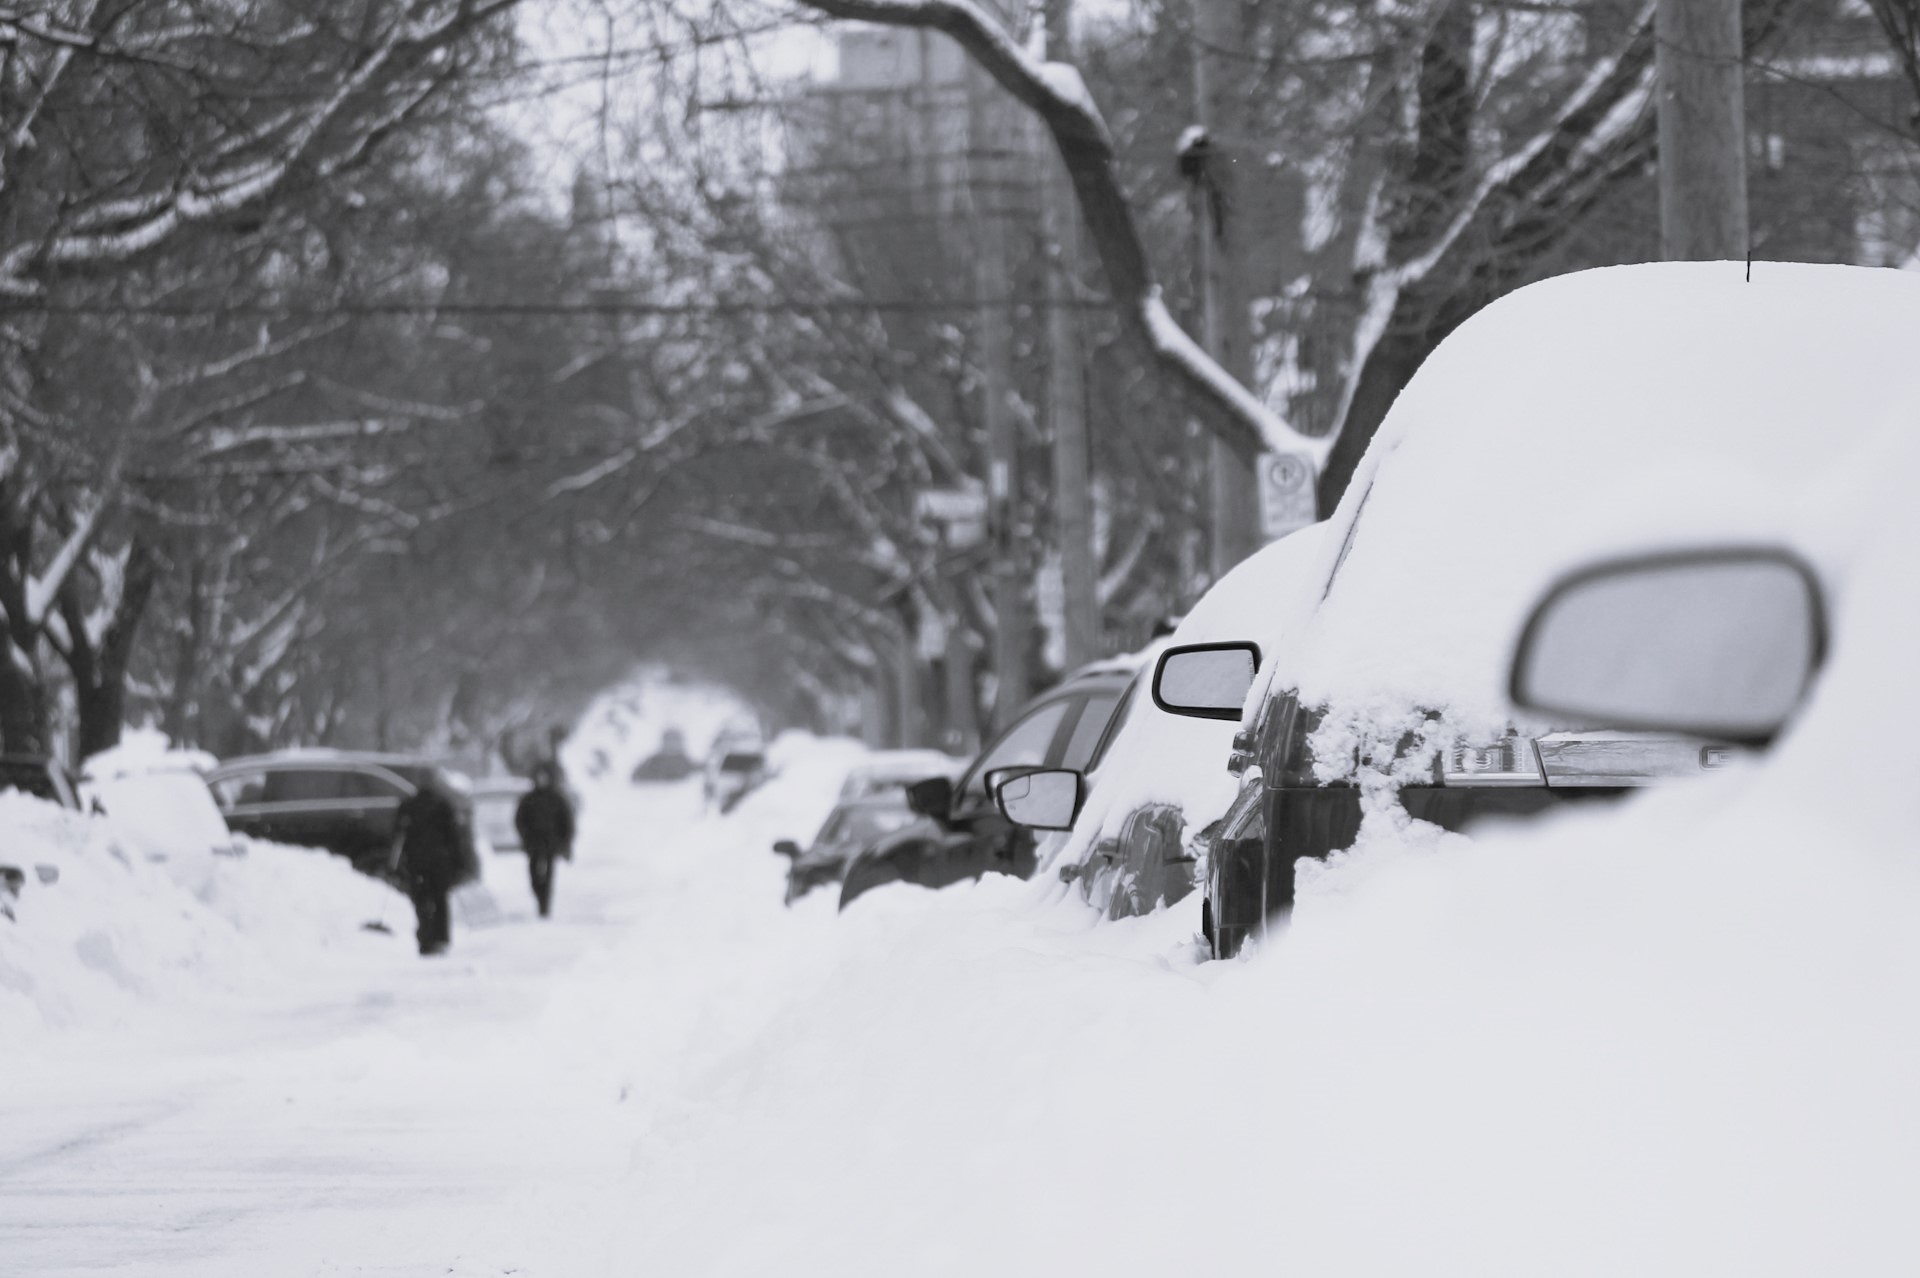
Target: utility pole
{"points": [[1067, 389], [992, 191], [1702, 124], [1220, 249]]}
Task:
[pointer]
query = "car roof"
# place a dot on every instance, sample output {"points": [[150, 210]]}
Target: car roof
{"points": [[312, 755], [1602, 412]]}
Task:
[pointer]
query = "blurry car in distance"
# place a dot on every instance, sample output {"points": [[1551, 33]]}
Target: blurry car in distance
{"points": [[852, 825], [893, 770], [669, 761], [340, 800], [732, 774]]}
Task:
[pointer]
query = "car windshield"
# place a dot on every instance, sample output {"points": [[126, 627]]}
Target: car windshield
{"points": [[28, 778]]}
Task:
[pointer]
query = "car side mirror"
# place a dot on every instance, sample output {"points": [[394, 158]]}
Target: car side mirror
{"points": [[787, 848], [1041, 799], [1716, 643], [932, 797], [1206, 680]]}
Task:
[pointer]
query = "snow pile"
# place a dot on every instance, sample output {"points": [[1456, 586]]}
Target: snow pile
{"points": [[114, 920], [1607, 410], [156, 795]]}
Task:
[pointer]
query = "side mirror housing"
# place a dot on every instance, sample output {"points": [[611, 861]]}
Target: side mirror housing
{"points": [[1716, 643], [1206, 680], [787, 848], [932, 797], [1042, 798]]}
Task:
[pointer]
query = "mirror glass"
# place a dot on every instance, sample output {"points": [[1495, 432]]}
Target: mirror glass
{"points": [[1207, 681], [1044, 800], [1717, 644]]}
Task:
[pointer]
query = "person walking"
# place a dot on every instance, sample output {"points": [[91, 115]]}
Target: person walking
{"points": [[427, 840], [544, 819]]}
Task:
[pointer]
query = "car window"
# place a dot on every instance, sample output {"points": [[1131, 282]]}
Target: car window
{"points": [[369, 785], [1095, 713], [740, 763], [305, 785], [1024, 744], [240, 787]]}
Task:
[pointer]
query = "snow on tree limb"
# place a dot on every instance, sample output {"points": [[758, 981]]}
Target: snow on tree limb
{"points": [[1055, 92]]}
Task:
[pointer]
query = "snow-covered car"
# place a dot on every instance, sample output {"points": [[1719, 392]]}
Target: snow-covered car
{"points": [[342, 800], [960, 834], [1155, 788], [1592, 414], [494, 800], [160, 795], [732, 774], [894, 770], [852, 825]]}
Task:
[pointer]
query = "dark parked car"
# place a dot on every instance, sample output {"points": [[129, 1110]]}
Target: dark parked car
{"points": [[41, 777], [343, 801], [851, 826], [1595, 413], [960, 834]]}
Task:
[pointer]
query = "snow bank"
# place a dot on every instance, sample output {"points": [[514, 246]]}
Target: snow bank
{"points": [[1671, 1036], [116, 921], [1607, 410]]}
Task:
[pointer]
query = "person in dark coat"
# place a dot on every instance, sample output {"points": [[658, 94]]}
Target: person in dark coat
{"points": [[544, 819], [427, 834]]}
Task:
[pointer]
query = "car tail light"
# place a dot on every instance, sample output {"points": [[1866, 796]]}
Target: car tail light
{"points": [[1509, 761]]}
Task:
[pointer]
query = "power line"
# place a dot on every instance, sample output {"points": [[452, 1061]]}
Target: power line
{"points": [[403, 309]]}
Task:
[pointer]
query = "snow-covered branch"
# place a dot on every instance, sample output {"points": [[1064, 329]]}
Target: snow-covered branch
{"points": [[1055, 92]]}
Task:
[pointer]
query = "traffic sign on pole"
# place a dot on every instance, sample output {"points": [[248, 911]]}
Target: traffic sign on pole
{"points": [[1286, 493]]}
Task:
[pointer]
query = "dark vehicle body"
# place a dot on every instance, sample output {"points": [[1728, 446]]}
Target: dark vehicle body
{"points": [[342, 801], [851, 826], [41, 777], [960, 834]]}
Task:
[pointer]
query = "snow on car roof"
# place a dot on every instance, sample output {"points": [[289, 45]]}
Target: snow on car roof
{"points": [[1598, 412], [1162, 758]]}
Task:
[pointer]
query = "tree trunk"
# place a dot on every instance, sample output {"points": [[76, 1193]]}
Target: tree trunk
{"points": [[23, 709]]}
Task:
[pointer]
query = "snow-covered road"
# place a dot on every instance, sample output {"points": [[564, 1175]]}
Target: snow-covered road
{"points": [[1450, 1063], [389, 1115]]}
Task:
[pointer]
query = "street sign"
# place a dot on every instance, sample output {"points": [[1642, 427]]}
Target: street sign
{"points": [[961, 512], [1286, 493]]}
